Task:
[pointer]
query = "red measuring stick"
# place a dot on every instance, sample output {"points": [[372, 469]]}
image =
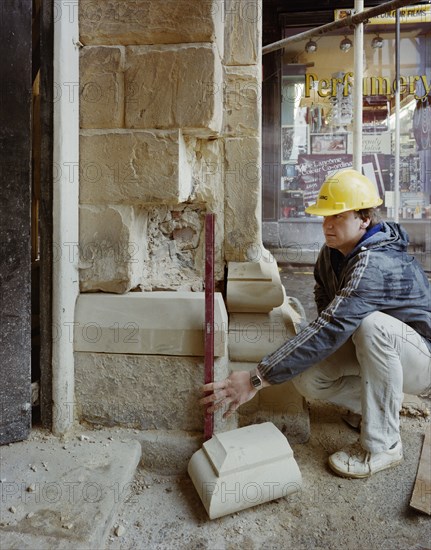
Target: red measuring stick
{"points": [[209, 315]]}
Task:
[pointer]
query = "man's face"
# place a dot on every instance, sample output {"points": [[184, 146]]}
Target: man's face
{"points": [[343, 231]]}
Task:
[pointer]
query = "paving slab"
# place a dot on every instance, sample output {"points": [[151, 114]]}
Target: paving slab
{"points": [[61, 494]]}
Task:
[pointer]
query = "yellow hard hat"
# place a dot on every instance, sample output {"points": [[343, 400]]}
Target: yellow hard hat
{"points": [[345, 190]]}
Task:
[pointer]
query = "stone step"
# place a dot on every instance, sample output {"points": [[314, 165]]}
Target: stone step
{"points": [[64, 494]]}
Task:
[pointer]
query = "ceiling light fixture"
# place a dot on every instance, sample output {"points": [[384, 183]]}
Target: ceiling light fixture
{"points": [[345, 44], [377, 42], [311, 46]]}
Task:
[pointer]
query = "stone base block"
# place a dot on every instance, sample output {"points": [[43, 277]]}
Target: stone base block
{"points": [[150, 323], [253, 287], [242, 468], [254, 335], [146, 392]]}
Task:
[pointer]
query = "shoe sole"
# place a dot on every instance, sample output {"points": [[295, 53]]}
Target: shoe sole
{"points": [[349, 475]]}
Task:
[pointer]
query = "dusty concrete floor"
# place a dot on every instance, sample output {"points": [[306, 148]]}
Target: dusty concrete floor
{"points": [[333, 513], [165, 513]]}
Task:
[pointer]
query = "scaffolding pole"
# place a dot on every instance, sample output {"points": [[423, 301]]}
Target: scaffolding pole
{"points": [[397, 120], [349, 21], [358, 50]]}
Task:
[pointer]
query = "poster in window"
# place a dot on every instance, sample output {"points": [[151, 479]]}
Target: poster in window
{"points": [[314, 169], [294, 141], [328, 144]]}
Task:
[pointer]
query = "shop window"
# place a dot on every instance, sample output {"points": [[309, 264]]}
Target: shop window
{"points": [[317, 116]]}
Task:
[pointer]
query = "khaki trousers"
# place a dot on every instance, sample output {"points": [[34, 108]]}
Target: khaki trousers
{"points": [[368, 375]]}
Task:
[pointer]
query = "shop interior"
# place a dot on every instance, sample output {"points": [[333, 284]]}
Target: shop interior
{"points": [[317, 116]]}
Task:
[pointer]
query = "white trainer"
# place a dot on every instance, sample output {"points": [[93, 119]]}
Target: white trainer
{"points": [[354, 461]]}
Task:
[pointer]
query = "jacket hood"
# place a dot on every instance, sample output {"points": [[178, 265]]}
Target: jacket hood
{"points": [[392, 235]]}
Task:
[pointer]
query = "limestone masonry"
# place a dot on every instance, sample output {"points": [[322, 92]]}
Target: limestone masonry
{"points": [[170, 115]]}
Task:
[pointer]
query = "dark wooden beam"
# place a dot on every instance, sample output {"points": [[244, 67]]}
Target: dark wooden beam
{"points": [[15, 202], [45, 211]]}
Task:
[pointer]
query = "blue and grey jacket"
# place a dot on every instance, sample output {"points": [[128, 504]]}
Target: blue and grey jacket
{"points": [[378, 275]]}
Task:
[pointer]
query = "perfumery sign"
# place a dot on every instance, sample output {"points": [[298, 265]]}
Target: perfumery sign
{"points": [[409, 14], [371, 85]]}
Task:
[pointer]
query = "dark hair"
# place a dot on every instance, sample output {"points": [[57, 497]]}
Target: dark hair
{"points": [[372, 214]]}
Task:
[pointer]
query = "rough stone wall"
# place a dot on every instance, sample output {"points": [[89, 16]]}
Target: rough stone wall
{"points": [[170, 130], [170, 119]]}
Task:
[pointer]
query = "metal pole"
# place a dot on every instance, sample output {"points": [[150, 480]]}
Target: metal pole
{"points": [[357, 89], [340, 24], [397, 120]]}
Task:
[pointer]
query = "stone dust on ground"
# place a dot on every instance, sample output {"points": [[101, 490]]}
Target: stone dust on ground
{"points": [[329, 512]]}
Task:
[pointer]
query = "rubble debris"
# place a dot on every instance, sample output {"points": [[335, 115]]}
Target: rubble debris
{"points": [[120, 530]]}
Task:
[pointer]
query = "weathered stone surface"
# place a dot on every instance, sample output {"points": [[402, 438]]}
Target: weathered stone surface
{"points": [[242, 101], [151, 21], [129, 167], [141, 391], [254, 287], [112, 247], [101, 87], [175, 241], [207, 160], [174, 87], [150, 323], [242, 197], [243, 32]]}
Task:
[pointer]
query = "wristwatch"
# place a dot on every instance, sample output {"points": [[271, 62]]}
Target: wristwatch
{"points": [[255, 379]]}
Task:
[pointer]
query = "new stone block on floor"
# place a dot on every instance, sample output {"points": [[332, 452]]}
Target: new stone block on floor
{"points": [[243, 468]]}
